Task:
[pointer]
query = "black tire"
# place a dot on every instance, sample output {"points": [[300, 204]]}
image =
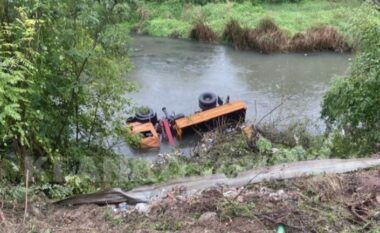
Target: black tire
{"points": [[207, 100], [148, 116]]}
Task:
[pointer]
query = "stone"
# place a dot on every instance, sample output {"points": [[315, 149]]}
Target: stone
{"points": [[207, 218], [142, 208]]}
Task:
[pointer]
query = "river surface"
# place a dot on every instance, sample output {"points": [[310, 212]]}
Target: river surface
{"points": [[172, 73]]}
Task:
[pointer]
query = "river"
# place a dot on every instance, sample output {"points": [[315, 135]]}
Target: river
{"points": [[172, 73]]}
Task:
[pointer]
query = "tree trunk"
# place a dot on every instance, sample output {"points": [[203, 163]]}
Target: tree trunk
{"points": [[25, 160]]}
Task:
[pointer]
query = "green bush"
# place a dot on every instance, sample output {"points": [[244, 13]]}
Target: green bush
{"points": [[264, 145], [352, 103], [283, 155], [230, 209]]}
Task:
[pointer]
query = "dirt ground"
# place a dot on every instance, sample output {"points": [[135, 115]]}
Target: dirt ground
{"points": [[324, 203]]}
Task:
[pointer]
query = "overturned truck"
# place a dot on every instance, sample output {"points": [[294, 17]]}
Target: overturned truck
{"points": [[213, 113]]}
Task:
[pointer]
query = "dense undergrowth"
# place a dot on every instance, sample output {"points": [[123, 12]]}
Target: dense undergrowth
{"points": [[229, 154]]}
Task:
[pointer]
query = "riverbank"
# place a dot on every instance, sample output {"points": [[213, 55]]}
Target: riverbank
{"points": [[322, 203], [229, 152], [175, 19]]}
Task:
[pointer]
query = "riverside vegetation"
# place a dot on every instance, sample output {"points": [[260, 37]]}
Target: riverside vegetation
{"points": [[258, 25], [59, 106]]}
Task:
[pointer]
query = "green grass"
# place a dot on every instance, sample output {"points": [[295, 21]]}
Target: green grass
{"points": [[168, 18]]}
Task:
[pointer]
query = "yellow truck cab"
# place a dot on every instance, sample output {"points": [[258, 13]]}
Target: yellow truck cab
{"points": [[149, 135]]}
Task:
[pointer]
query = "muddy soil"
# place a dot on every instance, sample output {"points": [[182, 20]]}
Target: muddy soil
{"points": [[329, 203]]}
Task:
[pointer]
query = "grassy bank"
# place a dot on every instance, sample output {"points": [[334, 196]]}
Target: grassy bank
{"points": [[175, 19]]}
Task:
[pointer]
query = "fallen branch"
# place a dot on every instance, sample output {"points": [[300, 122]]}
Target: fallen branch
{"points": [[248, 183], [283, 101]]}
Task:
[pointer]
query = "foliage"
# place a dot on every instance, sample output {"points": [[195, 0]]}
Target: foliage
{"points": [[264, 146], [294, 133], [35, 192], [167, 27], [352, 103], [16, 85], [9, 170], [163, 18], [80, 183], [228, 209], [61, 78], [204, 2], [140, 172], [56, 191], [229, 154], [283, 155], [132, 139]]}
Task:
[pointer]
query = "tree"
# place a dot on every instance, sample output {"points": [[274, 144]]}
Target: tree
{"points": [[63, 66], [353, 102]]}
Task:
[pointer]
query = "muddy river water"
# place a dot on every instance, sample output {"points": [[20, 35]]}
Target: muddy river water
{"points": [[172, 73]]}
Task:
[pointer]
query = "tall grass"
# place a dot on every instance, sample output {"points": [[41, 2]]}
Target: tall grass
{"points": [[267, 37], [202, 32], [319, 38], [291, 17]]}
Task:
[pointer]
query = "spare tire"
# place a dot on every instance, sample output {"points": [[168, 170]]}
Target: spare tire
{"points": [[207, 100], [146, 115]]}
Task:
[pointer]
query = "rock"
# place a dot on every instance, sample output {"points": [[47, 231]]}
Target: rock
{"points": [[279, 195], [142, 208], [207, 218], [232, 193], [378, 197]]}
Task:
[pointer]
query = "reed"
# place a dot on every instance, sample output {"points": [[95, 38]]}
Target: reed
{"points": [[202, 32]]}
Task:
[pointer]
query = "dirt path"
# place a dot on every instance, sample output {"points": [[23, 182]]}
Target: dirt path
{"points": [[289, 170]]}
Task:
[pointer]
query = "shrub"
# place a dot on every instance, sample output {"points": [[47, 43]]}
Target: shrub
{"points": [[232, 31], [266, 38], [352, 103], [231, 209], [264, 146], [288, 155], [319, 38], [202, 32]]}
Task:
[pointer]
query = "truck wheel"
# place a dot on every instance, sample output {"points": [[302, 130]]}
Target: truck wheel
{"points": [[146, 115], [207, 100]]}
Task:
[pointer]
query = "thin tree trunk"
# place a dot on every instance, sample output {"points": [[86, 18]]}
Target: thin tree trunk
{"points": [[24, 158], [93, 123]]}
